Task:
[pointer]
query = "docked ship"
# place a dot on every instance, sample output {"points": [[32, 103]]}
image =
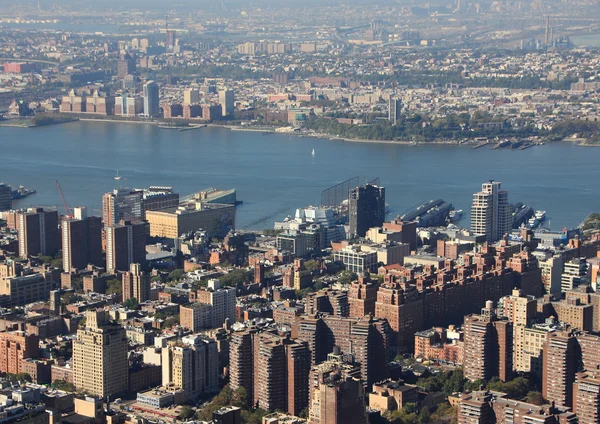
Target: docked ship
{"points": [[22, 192], [455, 215], [540, 216]]}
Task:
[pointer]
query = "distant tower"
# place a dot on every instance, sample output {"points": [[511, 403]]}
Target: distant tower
{"points": [[491, 212], [547, 34], [366, 209], [170, 36], [395, 110]]}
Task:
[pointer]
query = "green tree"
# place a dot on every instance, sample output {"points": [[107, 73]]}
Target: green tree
{"points": [[171, 321], [239, 398], [186, 412], [535, 398], [131, 303], [312, 265], [63, 385], [22, 376], [175, 275], [346, 277], [114, 286], [46, 259], [56, 263], [236, 278]]}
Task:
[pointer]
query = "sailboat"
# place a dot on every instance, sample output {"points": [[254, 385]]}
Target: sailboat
{"points": [[313, 152], [117, 177]]}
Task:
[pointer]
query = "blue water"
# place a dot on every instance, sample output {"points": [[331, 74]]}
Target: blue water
{"points": [[275, 174]]}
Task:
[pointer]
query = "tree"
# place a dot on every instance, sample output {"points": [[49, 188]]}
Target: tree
{"points": [[114, 286], [535, 398], [19, 377], [46, 259], [64, 386], [56, 263], [346, 277], [175, 275], [235, 278], [312, 265], [186, 412], [131, 303], [171, 321], [239, 398]]}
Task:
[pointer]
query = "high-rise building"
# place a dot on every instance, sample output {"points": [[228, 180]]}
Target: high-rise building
{"points": [[196, 316], [192, 364], [487, 407], [491, 214], [574, 273], [5, 197], [15, 347], [125, 65], [586, 397], [272, 368], [151, 99], [337, 396], [191, 96], [362, 297], [38, 232], [122, 204], [227, 101], [488, 346], [559, 368], [222, 300], [100, 365], [330, 301], [366, 339], [394, 110], [366, 209], [136, 284], [125, 245], [81, 240]]}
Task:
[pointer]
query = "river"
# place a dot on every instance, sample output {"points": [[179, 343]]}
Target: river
{"points": [[275, 174]]}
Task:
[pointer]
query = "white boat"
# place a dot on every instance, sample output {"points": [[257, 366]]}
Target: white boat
{"points": [[117, 177], [313, 152], [540, 215], [455, 215]]}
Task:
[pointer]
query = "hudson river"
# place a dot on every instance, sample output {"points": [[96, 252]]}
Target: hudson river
{"points": [[275, 174]]}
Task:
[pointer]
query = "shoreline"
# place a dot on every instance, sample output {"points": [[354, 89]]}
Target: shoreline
{"points": [[241, 128]]}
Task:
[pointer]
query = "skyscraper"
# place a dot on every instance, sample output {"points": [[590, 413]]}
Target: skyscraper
{"points": [[337, 396], [125, 244], [192, 364], [488, 346], [362, 297], [559, 367], [272, 368], [227, 101], [38, 232], [366, 209], [491, 214], [100, 364], [81, 240], [5, 197], [136, 284], [586, 397], [394, 110], [125, 65], [122, 204], [151, 99]]}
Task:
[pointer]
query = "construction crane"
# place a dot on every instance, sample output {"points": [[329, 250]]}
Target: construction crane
{"points": [[62, 196]]}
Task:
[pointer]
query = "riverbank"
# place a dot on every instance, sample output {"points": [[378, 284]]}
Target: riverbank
{"points": [[196, 124]]}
